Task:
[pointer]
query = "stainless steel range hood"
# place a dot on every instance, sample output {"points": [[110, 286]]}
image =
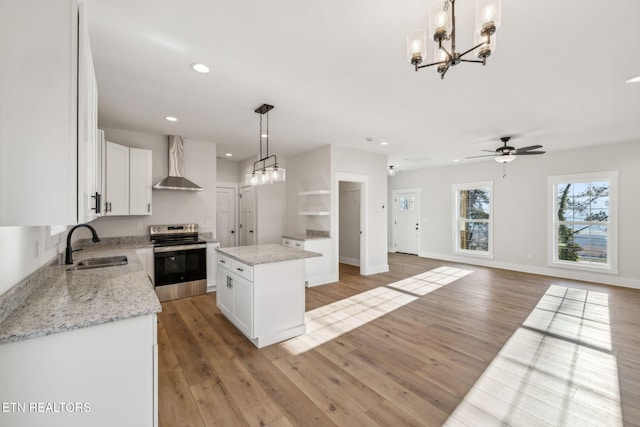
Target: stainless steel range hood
{"points": [[176, 179]]}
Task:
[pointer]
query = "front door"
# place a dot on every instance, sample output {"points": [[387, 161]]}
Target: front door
{"points": [[226, 216], [407, 225]]}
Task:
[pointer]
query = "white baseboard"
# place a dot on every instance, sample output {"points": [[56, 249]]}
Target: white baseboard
{"points": [[586, 276], [322, 280], [375, 269], [350, 261]]}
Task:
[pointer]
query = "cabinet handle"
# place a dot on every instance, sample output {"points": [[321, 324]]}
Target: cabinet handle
{"points": [[223, 261], [298, 244], [148, 207], [239, 269], [229, 282], [98, 203]]}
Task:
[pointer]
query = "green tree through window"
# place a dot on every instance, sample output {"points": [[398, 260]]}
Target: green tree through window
{"points": [[583, 216]]}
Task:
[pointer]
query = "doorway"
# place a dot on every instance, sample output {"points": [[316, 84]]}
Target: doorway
{"points": [[349, 222], [406, 221], [247, 228], [356, 233], [226, 216]]}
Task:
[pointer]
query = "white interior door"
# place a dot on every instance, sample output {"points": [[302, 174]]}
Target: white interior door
{"points": [[248, 232], [407, 224], [226, 216]]}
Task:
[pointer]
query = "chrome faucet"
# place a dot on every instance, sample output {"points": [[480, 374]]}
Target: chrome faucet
{"points": [[68, 258]]}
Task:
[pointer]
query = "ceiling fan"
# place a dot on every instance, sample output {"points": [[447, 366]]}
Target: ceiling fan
{"points": [[507, 153]]}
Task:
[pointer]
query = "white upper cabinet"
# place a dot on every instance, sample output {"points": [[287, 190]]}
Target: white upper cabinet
{"points": [[127, 180], [140, 164], [40, 112], [116, 201], [89, 136]]}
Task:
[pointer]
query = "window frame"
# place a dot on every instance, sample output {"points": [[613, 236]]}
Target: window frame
{"points": [[611, 177], [457, 188]]}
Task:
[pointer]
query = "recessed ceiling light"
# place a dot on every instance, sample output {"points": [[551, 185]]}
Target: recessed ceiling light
{"points": [[384, 143], [634, 80], [171, 119], [229, 154], [200, 68], [264, 135], [456, 160]]}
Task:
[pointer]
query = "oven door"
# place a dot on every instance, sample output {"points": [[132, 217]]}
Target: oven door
{"points": [[179, 264]]}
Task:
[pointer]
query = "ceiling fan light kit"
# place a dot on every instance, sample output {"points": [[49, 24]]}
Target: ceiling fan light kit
{"points": [[506, 153], [442, 27], [265, 169]]}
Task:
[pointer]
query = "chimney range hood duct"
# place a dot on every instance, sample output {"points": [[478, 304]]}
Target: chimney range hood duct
{"points": [[176, 180]]}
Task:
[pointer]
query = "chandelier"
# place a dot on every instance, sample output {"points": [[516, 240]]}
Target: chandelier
{"points": [[442, 26], [265, 170]]}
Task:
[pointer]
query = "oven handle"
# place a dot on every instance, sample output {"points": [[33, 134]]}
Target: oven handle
{"points": [[179, 248]]}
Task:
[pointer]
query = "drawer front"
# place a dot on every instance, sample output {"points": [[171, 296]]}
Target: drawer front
{"points": [[243, 270], [293, 243], [225, 262]]}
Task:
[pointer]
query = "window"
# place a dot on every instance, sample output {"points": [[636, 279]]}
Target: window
{"points": [[473, 224], [407, 203], [583, 221]]}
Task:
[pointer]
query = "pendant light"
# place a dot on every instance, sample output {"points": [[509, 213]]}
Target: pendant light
{"points": [[265, 170]]}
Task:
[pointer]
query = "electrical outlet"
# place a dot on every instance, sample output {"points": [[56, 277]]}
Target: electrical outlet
{"points": [[36, 249], [530, 257], [209, 224], [139, 226]]}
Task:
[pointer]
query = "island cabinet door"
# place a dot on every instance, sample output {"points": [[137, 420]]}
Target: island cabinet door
{"points": [[224, 291], [243, 305]]}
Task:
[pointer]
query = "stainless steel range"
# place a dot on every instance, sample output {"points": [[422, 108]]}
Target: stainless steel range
{"points": [[180, 261]]}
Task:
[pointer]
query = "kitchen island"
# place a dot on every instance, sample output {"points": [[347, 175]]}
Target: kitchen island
{"points": [[260, 289]]}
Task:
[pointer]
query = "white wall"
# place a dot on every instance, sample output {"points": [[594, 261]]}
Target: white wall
{"points": [[308, 172], [23, 250], [374, 168], [521, 208], [169, 206], [228, 171], [349, 222], [270, 205]]}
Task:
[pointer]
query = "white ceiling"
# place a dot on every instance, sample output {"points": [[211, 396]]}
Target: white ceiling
{"points": [[336, 72]]}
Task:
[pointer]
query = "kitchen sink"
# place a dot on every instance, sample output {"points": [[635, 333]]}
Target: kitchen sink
{"points": [[108, 261]]}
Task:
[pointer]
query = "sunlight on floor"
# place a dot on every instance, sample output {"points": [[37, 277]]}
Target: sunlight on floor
{"points": [[556, 370], [330, 321]]}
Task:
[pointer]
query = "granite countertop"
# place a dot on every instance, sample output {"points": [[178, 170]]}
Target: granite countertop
{"points": [[68, 300], [304, 237], [265, 254]]}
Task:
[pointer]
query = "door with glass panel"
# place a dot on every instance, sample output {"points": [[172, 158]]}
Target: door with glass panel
{"points": [[407, 224]]}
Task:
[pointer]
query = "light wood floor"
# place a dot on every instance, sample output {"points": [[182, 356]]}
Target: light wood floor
{"points": [[490, 346]]}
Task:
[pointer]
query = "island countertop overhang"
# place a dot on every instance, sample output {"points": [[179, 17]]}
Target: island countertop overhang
{"points": [[265, 254]]}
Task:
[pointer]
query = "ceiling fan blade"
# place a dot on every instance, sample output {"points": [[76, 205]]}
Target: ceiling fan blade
{"points": [[529, 148], [485, 155], [531, 152]]}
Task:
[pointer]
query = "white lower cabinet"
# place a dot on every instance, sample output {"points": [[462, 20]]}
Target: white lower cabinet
{"points": [[265, 302], [104, 375], [319, 270], [212, 266]]}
